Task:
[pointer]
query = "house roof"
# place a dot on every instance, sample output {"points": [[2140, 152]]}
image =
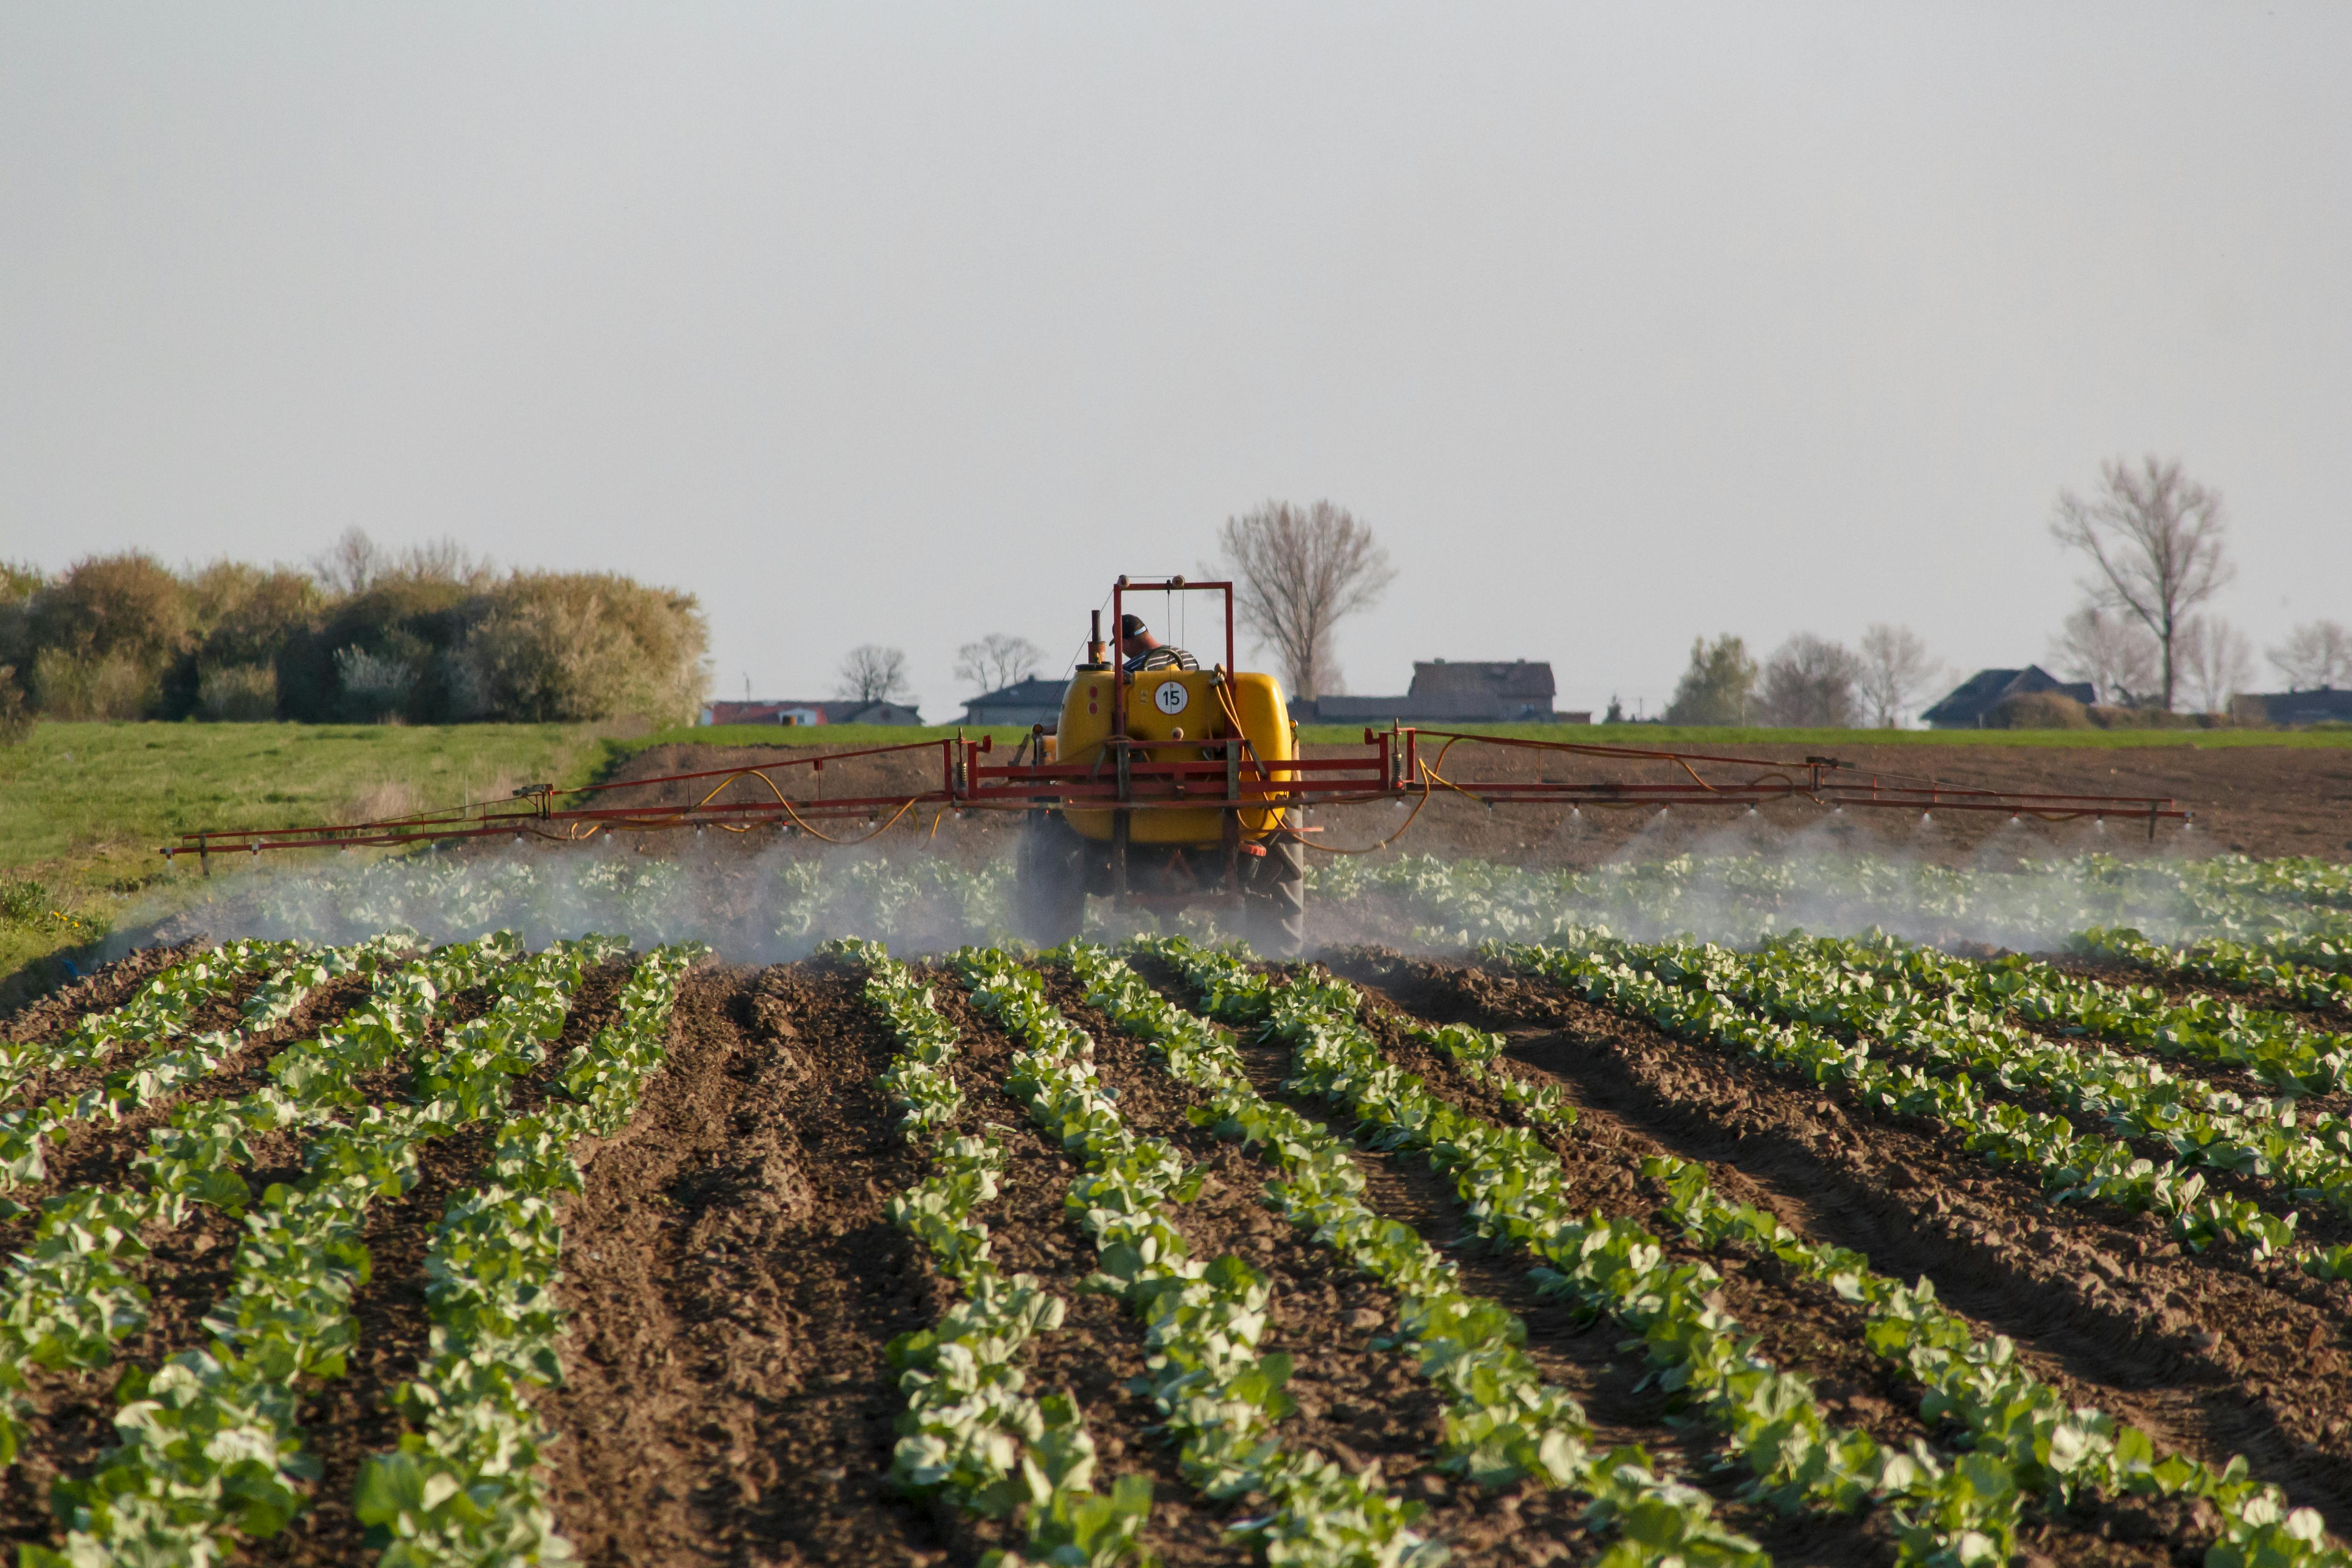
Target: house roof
{"points": [[1029, 692], [1513, 679], [2313, 707], [1986, 688], [813, 711]]}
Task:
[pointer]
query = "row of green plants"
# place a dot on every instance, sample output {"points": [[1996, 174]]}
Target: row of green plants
{"points": [[74, 1294], [1745, 896], [2317, 971], [209, 1445], [2062, 1453], [154, 1017], [1503, 1421], [464, 1485], [2022, 1437], [1691, 993], [1952, 1513], [2280, 1049], [1223, 1396], [1853, 987], [971, 1434]]}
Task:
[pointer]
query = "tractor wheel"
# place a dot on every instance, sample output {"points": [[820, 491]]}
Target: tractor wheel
{"points": [[1277, 903], [1049, 892]]}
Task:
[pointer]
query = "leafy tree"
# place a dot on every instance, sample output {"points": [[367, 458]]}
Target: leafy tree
{"points": [[2156, 537], [1719, 688]]}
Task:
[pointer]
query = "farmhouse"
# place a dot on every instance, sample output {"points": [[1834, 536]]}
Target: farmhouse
{"points": [[2321, 705], [1024, 702], [831, 710], [1980, 693], [1475, 691]]}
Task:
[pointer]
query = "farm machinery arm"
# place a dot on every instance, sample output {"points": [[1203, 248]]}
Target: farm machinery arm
{"points": [[1140, 776]]}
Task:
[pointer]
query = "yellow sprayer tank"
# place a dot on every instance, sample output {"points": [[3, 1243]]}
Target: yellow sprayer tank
{"points": [[1177, 705]]}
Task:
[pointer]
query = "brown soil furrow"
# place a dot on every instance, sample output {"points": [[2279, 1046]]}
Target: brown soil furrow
{"points": [[346, 1420], [733, 1280], [2210, 1359], [1582, 1357]]}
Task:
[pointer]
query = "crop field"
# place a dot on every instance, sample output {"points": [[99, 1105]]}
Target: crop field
{"points": [[1711, 1210]]}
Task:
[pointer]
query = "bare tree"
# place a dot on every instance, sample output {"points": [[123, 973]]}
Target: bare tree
{"points": [[1299, 572], [1896, 673], [2115, 655], [441, 560], [1809, 683], [2316, 657], [2215, 662], [996, 661], [2156, 537], [350, 565], [873, 673]]}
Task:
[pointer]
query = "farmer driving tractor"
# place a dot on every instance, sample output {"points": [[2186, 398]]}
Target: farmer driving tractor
{"points": [[1143, 651]]}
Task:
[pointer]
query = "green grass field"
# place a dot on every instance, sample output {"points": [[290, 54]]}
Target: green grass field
{"points": [[84, 807]]}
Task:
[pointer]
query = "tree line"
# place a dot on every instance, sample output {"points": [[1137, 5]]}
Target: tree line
{"points": [[429, 634], [2155, 542]]}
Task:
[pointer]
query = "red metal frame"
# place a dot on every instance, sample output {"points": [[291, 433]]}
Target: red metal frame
{"points": [[1390, 768]]}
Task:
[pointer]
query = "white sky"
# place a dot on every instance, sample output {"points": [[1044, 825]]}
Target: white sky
{"points": [[903, 323]]}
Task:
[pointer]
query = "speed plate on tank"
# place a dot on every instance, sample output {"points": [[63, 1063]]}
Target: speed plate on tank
{"points": [[1171, 698]]}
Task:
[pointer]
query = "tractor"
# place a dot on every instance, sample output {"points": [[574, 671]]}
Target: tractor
{"points": [[1191, 757]]}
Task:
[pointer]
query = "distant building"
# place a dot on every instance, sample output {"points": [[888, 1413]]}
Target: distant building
{"points": [[2321, 705], [1987, 690], [1024, 702], [833, 711], [1475, 691]]}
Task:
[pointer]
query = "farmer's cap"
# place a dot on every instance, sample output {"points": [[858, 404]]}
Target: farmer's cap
{"points": [[1132, 626]]}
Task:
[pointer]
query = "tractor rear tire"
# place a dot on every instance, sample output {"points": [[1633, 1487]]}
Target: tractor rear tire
{"points": [[1277, 903], [1049, 880]]}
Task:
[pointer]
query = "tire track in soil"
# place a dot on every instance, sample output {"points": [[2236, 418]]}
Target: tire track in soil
{"points": [[2208, 1358], [346, 1420], [1528, 1520], [731, 1279]]}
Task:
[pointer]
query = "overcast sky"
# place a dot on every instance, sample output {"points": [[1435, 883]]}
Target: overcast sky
{"points": [[899, 323]]}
